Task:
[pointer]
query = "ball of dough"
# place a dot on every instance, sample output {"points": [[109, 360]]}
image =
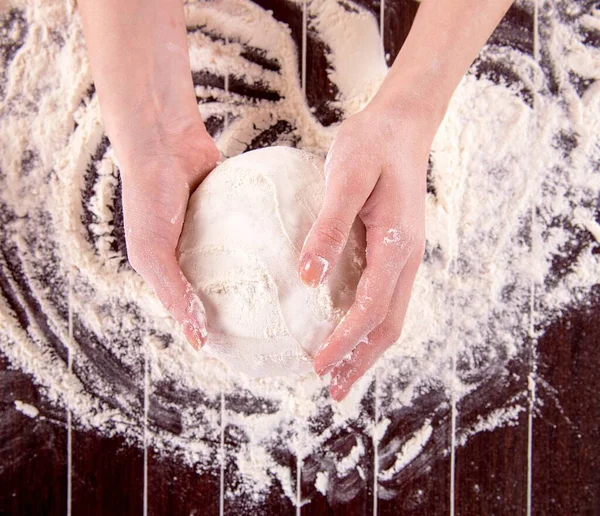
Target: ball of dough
{"points": [[240, 248]]}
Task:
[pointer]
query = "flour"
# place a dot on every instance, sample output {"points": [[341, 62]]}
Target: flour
{"points": [[496, 418], [321, 482], [27, 409], [409, 451], [351, 461], [515, 188]]}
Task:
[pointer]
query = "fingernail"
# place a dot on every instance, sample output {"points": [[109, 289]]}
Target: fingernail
{"points": [[195, 325], [313, 269], [195, 334]]}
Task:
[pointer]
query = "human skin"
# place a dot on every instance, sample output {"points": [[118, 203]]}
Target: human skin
{"points": [[139, 57], [375, 168]]}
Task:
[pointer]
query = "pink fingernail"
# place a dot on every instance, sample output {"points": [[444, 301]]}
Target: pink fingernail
{"points": [[313, 269], [196, 321], [195, 334]]}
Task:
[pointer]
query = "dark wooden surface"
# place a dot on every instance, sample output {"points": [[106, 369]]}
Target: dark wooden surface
{"points": [[491, 469]]}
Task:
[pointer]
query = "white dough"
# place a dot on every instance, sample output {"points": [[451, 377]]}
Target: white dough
{"points": [[240, 248]]}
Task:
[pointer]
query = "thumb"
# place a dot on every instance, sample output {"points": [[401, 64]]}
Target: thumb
{"points": [[325, 242], [164, 275]]}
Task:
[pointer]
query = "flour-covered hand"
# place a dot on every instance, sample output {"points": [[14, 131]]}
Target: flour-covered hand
{"points": [[138, 52], [158, 178], [376, 170]]}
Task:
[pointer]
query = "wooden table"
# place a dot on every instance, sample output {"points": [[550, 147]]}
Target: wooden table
{"points": [[554, 456]]}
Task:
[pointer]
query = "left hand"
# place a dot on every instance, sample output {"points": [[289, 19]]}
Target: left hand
{"points": [[376, 170], [162, 163]]}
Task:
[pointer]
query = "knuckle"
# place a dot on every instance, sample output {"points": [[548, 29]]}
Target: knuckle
{"points": [[345, 181], [348, 184], [406, 241], [333, 233]]}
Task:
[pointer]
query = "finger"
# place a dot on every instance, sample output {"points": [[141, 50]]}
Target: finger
{"points": [[364, 356], [164, 275], [348, 188], [385, 260]]}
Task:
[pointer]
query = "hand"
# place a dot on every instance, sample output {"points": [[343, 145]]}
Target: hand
{"points": [[159, 174], [376, 170], [139, 56]]}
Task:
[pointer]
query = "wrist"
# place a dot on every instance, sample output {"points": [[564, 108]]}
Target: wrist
{"points": [[145, 109], [182, 141], [409, 106], [416, 89]]}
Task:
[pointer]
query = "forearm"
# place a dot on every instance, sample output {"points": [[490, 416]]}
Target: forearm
{"points": [[445, 38], [139, 58]]}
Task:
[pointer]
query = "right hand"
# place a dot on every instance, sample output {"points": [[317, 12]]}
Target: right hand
{"points": [[159, 173]]}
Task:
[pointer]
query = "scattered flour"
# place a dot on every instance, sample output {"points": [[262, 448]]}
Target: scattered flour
{"points": [[409, 451], [496, 418], [27, 409], [515, 187], [351, 461], [321, 482]]}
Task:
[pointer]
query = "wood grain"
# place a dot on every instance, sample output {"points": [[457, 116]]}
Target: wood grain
{"points": [[491, 468]]}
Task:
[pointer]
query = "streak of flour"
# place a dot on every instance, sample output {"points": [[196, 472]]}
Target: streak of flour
{"points": [[27, 409], [60, 180]]}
